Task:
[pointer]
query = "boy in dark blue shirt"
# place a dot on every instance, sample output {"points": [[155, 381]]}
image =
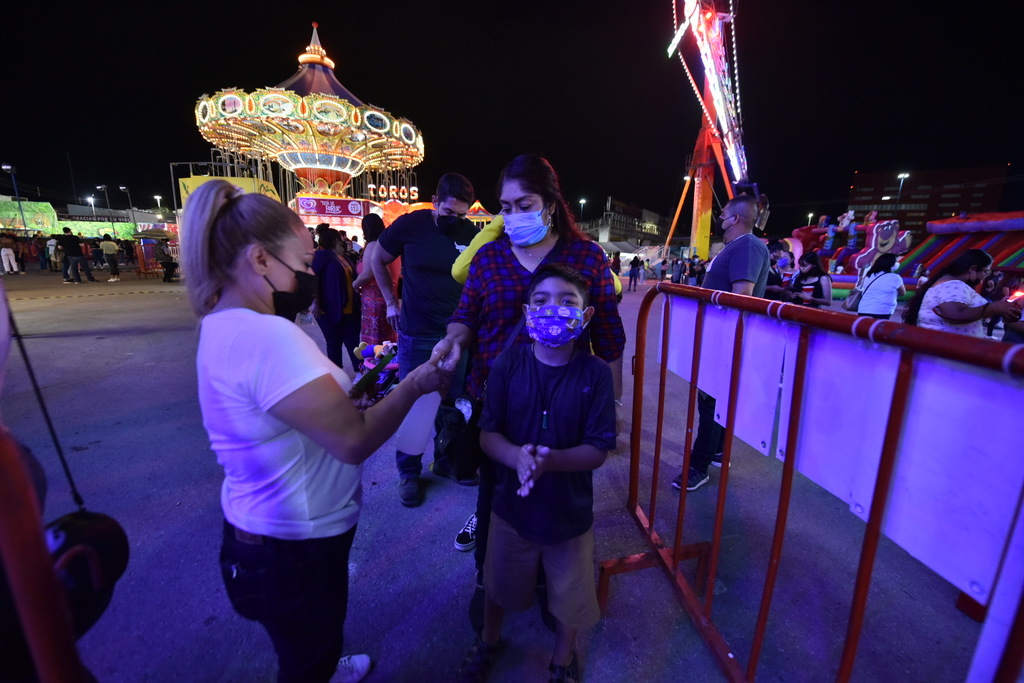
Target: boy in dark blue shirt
{"points": [[548, 421]]}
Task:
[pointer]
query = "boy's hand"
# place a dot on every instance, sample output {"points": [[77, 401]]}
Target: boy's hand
{"points": [[524, 462], [540, 455]]}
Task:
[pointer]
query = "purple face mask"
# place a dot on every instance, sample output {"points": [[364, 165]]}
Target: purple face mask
{"points": [[554, 325]]}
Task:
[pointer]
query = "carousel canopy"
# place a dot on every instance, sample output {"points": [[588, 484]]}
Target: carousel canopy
{"points": [[316, 75], [312, 125]]}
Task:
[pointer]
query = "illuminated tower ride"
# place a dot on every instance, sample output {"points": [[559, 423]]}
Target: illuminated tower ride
{"points": [[720, 141], [315, 128]]}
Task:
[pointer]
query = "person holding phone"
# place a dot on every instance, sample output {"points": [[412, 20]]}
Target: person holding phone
{"points": [[950, 301], [811, 286], [282, 421]]}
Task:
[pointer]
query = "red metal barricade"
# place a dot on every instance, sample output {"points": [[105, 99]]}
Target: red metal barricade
{"points": [[911, 344]]}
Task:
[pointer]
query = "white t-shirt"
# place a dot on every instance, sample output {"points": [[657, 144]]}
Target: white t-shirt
{"points": [[951, 290], [277, 482], [879, 293]]}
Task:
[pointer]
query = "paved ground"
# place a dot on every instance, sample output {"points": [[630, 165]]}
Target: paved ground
{"points": [[116, 362]]}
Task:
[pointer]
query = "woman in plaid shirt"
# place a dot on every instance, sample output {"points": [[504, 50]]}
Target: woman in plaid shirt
{"points": [[539, 229]]}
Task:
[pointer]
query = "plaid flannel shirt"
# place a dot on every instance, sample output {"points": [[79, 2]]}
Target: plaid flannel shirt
{"points": [[495, 291]]}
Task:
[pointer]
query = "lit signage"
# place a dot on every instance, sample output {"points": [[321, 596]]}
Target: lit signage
{"points": [[316, 206]]}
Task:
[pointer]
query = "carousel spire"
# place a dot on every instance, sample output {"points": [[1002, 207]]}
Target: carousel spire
{"points": [[315, 54]]}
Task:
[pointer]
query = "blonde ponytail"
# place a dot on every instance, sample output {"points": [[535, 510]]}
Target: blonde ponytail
{"points": [[219, 222]]}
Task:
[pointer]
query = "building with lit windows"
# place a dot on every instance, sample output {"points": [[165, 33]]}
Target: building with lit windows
{"points": [[921, 196], [622, 222]]}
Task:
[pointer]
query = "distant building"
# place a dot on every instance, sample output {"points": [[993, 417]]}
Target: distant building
{"points": [[927, 195], [622, 222]]}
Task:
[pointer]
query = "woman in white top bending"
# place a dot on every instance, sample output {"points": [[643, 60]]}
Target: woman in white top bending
{"points": [[282, 421], [950, 301]]}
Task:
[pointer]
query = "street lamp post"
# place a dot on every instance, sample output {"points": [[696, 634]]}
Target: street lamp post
{"points": [[92, 203], [810, 217], [131, 205], [583, 203], [8, 168], [159, 211], [902, 177], [110, 213]]}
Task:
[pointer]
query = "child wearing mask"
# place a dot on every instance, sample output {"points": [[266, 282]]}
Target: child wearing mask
{"points": [[548, 421]]}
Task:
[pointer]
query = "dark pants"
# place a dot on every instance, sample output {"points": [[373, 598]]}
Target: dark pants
{"points": [[412, 353], [170, 268], [76, 263], [298, 591], [341, 336], [484, 503], [634, 277], [112, 262], [710, 434]]}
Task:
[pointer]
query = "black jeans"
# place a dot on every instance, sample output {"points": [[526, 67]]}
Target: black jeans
{"points": [[298, 591], [76, 263], [341, 337], [710, 434]]}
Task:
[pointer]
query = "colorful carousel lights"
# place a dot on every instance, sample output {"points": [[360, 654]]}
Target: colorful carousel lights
{"points": [[312, 125]]}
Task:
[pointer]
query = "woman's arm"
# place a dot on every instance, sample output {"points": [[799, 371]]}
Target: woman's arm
{"points": [[607, 335], [458, 337], [323, 411], [826, 292], [379, 266], [959, 312], [367, 274]]}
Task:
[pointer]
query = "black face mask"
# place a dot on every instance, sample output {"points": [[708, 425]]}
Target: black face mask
{"points": [[290, 304], [447, 223], [717, 227]]}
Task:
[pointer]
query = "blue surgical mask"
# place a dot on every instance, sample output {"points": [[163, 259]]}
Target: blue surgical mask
{"points": [[526, 228], [783, 262]]}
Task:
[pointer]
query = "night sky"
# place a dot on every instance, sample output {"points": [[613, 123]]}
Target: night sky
{"points": [[827, 88]]}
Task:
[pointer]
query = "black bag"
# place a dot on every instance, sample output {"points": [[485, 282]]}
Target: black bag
{"points": [[456, 441], [90, 553]]}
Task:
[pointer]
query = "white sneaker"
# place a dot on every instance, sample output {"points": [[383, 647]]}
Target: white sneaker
{"points": [[352, 669]]}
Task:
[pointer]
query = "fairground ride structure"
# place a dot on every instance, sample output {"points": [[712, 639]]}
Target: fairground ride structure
{"points": [[720, 141], [316, 128]]}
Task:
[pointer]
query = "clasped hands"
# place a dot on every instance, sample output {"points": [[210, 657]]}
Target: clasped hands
{"points": [[530, 461]]}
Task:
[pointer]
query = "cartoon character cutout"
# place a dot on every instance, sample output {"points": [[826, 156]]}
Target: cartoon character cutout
{"points": [[882, 238]]}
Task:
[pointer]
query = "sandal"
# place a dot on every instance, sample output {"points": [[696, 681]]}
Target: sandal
{"points": [[565, 674], [479, 661]]}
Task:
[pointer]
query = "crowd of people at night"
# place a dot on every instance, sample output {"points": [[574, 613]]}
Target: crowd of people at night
{"points": [[66, 253], [520, 321]]}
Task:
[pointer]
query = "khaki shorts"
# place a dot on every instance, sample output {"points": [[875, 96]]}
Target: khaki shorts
{"points": [[510, 574]]}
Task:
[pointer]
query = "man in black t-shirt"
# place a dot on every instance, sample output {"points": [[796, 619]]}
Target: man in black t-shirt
{"points": [[428, 242], [74, 258]]}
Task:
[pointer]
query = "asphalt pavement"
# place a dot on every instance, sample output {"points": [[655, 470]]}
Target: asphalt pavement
{"points": [[116, 365]]}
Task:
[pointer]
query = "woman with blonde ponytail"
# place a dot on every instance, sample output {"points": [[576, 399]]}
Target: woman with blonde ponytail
{"points": [[282, 420]]}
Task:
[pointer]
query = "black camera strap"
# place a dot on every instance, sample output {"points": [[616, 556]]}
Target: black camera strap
{"points": [[75, 495]]}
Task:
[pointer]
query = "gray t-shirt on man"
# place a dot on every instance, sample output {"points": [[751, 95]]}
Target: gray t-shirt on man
{"points": [[745, 258]]}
